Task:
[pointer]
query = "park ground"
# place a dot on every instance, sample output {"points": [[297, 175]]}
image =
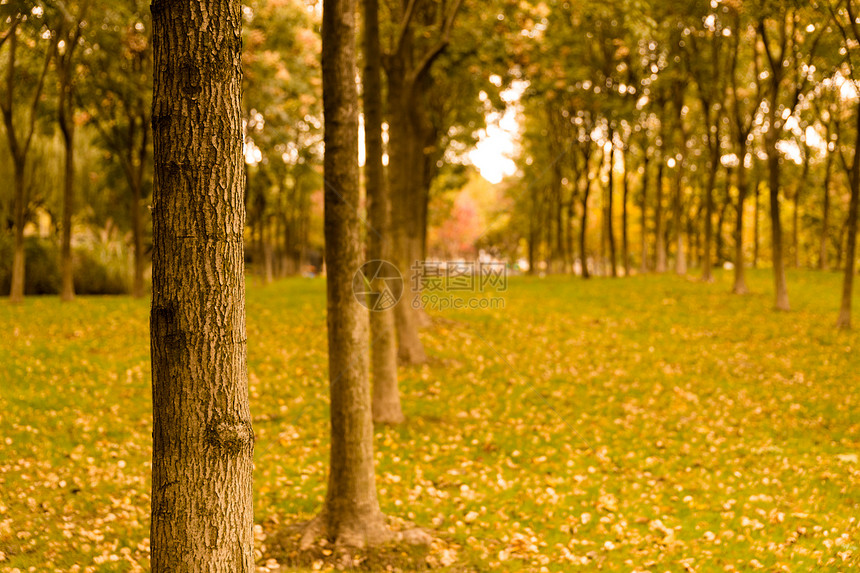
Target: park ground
{"points": [[645, 424]]}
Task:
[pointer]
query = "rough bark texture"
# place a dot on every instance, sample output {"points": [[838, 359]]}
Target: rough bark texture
{"points": [[351, 514], [844, 321], [202, 513], [383, 349]]}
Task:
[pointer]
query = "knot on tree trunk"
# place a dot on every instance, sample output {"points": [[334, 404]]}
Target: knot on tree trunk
{"points": [[230, 435]]}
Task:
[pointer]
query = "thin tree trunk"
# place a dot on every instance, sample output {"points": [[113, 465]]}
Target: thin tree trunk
{"points": [[203, 443], [823, 263], [67, 128], [844, 321], [583, 223], [625, 252], [16, 294], [756, 226], [137, 239], [707, 255], [780, 287], [610, 232], [402, 146], [659, 235], [677, 222], [351, 514], [386, 394], [643, 237], [740, 286]]}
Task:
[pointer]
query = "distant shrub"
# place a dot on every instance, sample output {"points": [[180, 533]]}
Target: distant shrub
{"points": [[96, 276], [98, 268], [41, 273]]}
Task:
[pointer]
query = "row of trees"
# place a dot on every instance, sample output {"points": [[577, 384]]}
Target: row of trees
{"points": [[203, 446], [76, 105], [682, 111]]}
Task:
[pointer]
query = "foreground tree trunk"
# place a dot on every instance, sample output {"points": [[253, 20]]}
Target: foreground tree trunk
{"points": [[383, 348], [203, 443], [351, 514]]}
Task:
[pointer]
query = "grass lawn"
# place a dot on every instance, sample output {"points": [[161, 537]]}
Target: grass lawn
{"points": [[642, 424]]}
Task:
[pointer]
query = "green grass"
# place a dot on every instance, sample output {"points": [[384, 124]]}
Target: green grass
{"points": [[650, 423]]}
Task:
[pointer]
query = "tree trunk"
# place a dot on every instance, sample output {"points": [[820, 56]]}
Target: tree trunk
{"points": [[780, 287], [678, 222], [351, 514], [403, 145], [610, 188], [16, 294], [386, 395], [583, 224], [625, 246], [740, 286], [137, 290], [203, 443], [707, 255], [643, 237], [757, 223], [67, 128], [659, 236], [844, 321], [823, 263]]}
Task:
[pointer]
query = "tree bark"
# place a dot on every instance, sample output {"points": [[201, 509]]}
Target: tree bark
{"points": [[386, 394], [203, 443]]}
